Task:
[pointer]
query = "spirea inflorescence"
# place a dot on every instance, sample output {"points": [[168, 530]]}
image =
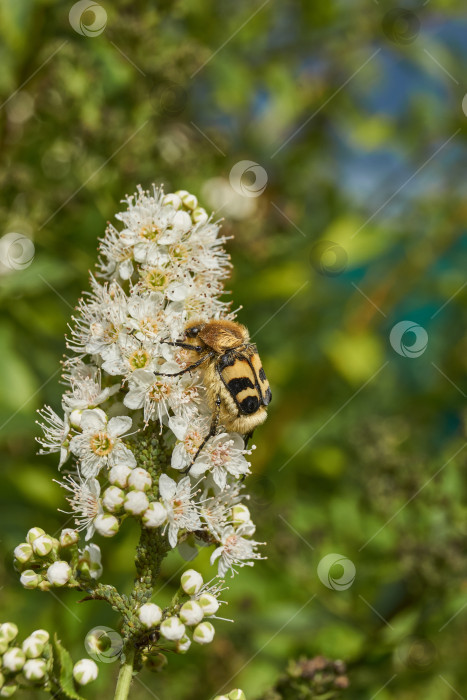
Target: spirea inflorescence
{"points": [[127, 437]]}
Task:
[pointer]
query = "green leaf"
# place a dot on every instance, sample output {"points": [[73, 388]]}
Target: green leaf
{"points": [[65, 671]]}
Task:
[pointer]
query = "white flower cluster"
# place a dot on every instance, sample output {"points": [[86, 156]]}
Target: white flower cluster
{"points": [[45, 561], [191, 615], [163, 267]]}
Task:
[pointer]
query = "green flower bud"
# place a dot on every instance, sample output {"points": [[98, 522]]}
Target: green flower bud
{"points": [[8, 631], [34, 533]]}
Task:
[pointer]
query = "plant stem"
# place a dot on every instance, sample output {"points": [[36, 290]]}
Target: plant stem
{"points": [[124, 677]]}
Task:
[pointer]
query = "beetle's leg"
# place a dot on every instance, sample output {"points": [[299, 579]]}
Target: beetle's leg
{"points": [[187, 369], [186, 346], [212, 432], [247, 438]]}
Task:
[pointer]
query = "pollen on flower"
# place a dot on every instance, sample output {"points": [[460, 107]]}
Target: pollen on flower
{"points": [[101, 444], [139, 359]]}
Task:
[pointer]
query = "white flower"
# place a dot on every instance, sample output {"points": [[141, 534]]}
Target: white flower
{"points": [[204, 633], [139, 479], [191, 613], [191, 435], [14, 659], [85, 502], [91, 554], [151, 392], [59, 573], [191, 581], [136, 502], [222, 455], [150, 615], [35, 669], [155, 515], [42, 635], [99, 445], [106, 525], [56, 434], [234, 551], [172, 628], [85, 671], [86, 391], [182, 513]]}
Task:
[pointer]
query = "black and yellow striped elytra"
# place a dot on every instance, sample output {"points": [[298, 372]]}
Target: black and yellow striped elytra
{"points": [[237, 389]]}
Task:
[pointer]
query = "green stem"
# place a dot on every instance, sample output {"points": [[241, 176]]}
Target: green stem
{"points": [[122, 690]]}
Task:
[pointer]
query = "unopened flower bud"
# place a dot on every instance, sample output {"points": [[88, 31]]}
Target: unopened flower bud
{"points": [[44, 585], [172, 199], [191, 581], [150, 615], [172, 628], [13, 659], [43, 545], [85, 671], [68, 537], [156, 663], [191, 613], [190, 201], [183, 644], [8, 631], [30, 579], [155, 515], [119, 474], [35, 669], [3, 646], [34, 533], [106, 524], [139, 479], [204, 633], [209, 603], [199, 215], [23, 552], [8, 690], [136, 502], [42, 635], [240, 514], [75, 417], [33, 646], [113, 498], [59, 573], [236, 694]]}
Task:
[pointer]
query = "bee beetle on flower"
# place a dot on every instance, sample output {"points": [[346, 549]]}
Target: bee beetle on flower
{"points": [[237, 389]]}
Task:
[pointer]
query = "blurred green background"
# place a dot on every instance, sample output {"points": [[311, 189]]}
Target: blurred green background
{"points": [[354, 111]]}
